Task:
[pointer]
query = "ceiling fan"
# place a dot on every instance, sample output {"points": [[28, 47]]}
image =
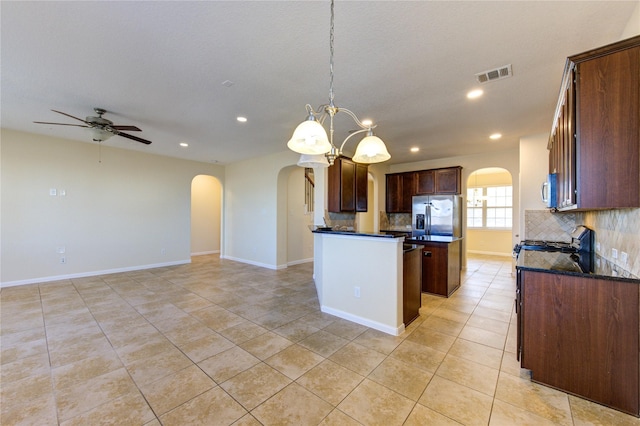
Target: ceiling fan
{"points": [[101, 128]]}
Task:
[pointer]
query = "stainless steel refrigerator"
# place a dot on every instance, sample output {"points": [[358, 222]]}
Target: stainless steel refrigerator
{"points": [[436, 215]]}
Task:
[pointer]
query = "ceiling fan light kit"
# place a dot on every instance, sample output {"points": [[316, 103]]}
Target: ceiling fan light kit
{"points": [[310, 138], [99, 134]]}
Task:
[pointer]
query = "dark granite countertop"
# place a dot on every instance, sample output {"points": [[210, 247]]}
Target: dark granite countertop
{"points": [[433, 239], [409, 247], [321, 230], [565, 264]]}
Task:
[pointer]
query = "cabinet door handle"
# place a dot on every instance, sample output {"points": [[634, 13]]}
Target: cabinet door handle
{"points": [[426, 253]]}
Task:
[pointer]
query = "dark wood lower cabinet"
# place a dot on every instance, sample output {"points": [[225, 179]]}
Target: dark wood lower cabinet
{"points": [[411, 282], [441, 267], [580, 335]]}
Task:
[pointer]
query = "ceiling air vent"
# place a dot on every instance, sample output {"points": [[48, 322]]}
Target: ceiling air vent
{"points": [[494, 74]]}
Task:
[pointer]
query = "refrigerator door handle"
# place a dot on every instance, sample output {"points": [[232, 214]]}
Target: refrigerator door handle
{"points": [[427, 211]]}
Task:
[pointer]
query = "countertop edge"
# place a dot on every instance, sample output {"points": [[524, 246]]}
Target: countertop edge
{"points": [[591, 275], [581, 274], [357, 234], [442, 240]]}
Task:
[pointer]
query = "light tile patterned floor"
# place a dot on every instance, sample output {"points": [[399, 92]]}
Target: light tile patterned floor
{"points": [[219, 343]]}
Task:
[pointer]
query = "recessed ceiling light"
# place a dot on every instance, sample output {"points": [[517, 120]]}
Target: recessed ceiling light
{"points": [[242, 119], [495, 136], [184, 144], [415, 149], [475, 94]]}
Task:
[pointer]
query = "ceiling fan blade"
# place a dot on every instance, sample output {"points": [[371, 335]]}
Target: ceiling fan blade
{"points": [[69, 115], [127, 128], [134, 138], [61, 124]]}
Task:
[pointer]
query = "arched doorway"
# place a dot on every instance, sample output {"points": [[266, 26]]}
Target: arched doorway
{"points": [[206, 210], [365, 221], [489, 212], [299, 217]]}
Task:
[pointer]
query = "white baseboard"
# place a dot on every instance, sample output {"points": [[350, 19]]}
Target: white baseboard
{"points": [[489, 253], [251, 262], [91, 273], [394, 331], [299, 262], [204, 253]]}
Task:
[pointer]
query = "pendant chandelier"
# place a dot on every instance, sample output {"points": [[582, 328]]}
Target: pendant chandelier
{"points": [[310, 138]]}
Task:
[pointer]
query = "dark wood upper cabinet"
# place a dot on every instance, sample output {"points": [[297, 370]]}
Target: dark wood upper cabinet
{"points": [[362, 186], [402, 186], [347, 186], [439, 181], [399, 190], [448, 180], [595, 141], [425, 182]]}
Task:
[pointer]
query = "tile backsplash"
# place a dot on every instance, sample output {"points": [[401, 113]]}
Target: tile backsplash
{"points": [[614, 229], [544, 225], [345, 221], [395, 221]]}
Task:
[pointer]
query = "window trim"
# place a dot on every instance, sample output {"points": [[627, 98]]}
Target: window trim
{"points": [[484, 208]]}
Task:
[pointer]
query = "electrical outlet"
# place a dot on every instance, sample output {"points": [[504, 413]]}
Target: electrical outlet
{"points": [[614, 253], [598, 247], [163, 251], [624, 257], [356, 292], [61, 249]]}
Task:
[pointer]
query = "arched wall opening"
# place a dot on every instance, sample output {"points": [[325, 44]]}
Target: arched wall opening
{"points": [[295, 216], [206, 215], [366, 221], [489, 212]]}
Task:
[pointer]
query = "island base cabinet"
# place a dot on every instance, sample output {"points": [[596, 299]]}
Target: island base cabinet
{"points": [[580, 335], [441, 268], [411, 282]]}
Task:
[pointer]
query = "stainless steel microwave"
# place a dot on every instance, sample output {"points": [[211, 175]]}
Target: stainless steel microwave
{"points": [[549, 191]]}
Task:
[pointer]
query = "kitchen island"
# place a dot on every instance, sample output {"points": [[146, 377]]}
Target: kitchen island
{"points": [[441, 263], [359, 277]]}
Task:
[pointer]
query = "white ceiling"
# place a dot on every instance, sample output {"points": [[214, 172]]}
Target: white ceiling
{"points": [[405, 64]]}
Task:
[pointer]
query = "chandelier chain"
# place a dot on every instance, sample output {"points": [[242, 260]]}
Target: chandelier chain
{"points": [[331, 58]]}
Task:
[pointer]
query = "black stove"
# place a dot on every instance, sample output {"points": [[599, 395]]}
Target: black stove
{"points": [[539, 245], [580, 248]]}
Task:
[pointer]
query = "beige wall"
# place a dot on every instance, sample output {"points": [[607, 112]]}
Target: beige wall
{"points": [[255, 210], [131, 211], [534, 167], [633, 26]]}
